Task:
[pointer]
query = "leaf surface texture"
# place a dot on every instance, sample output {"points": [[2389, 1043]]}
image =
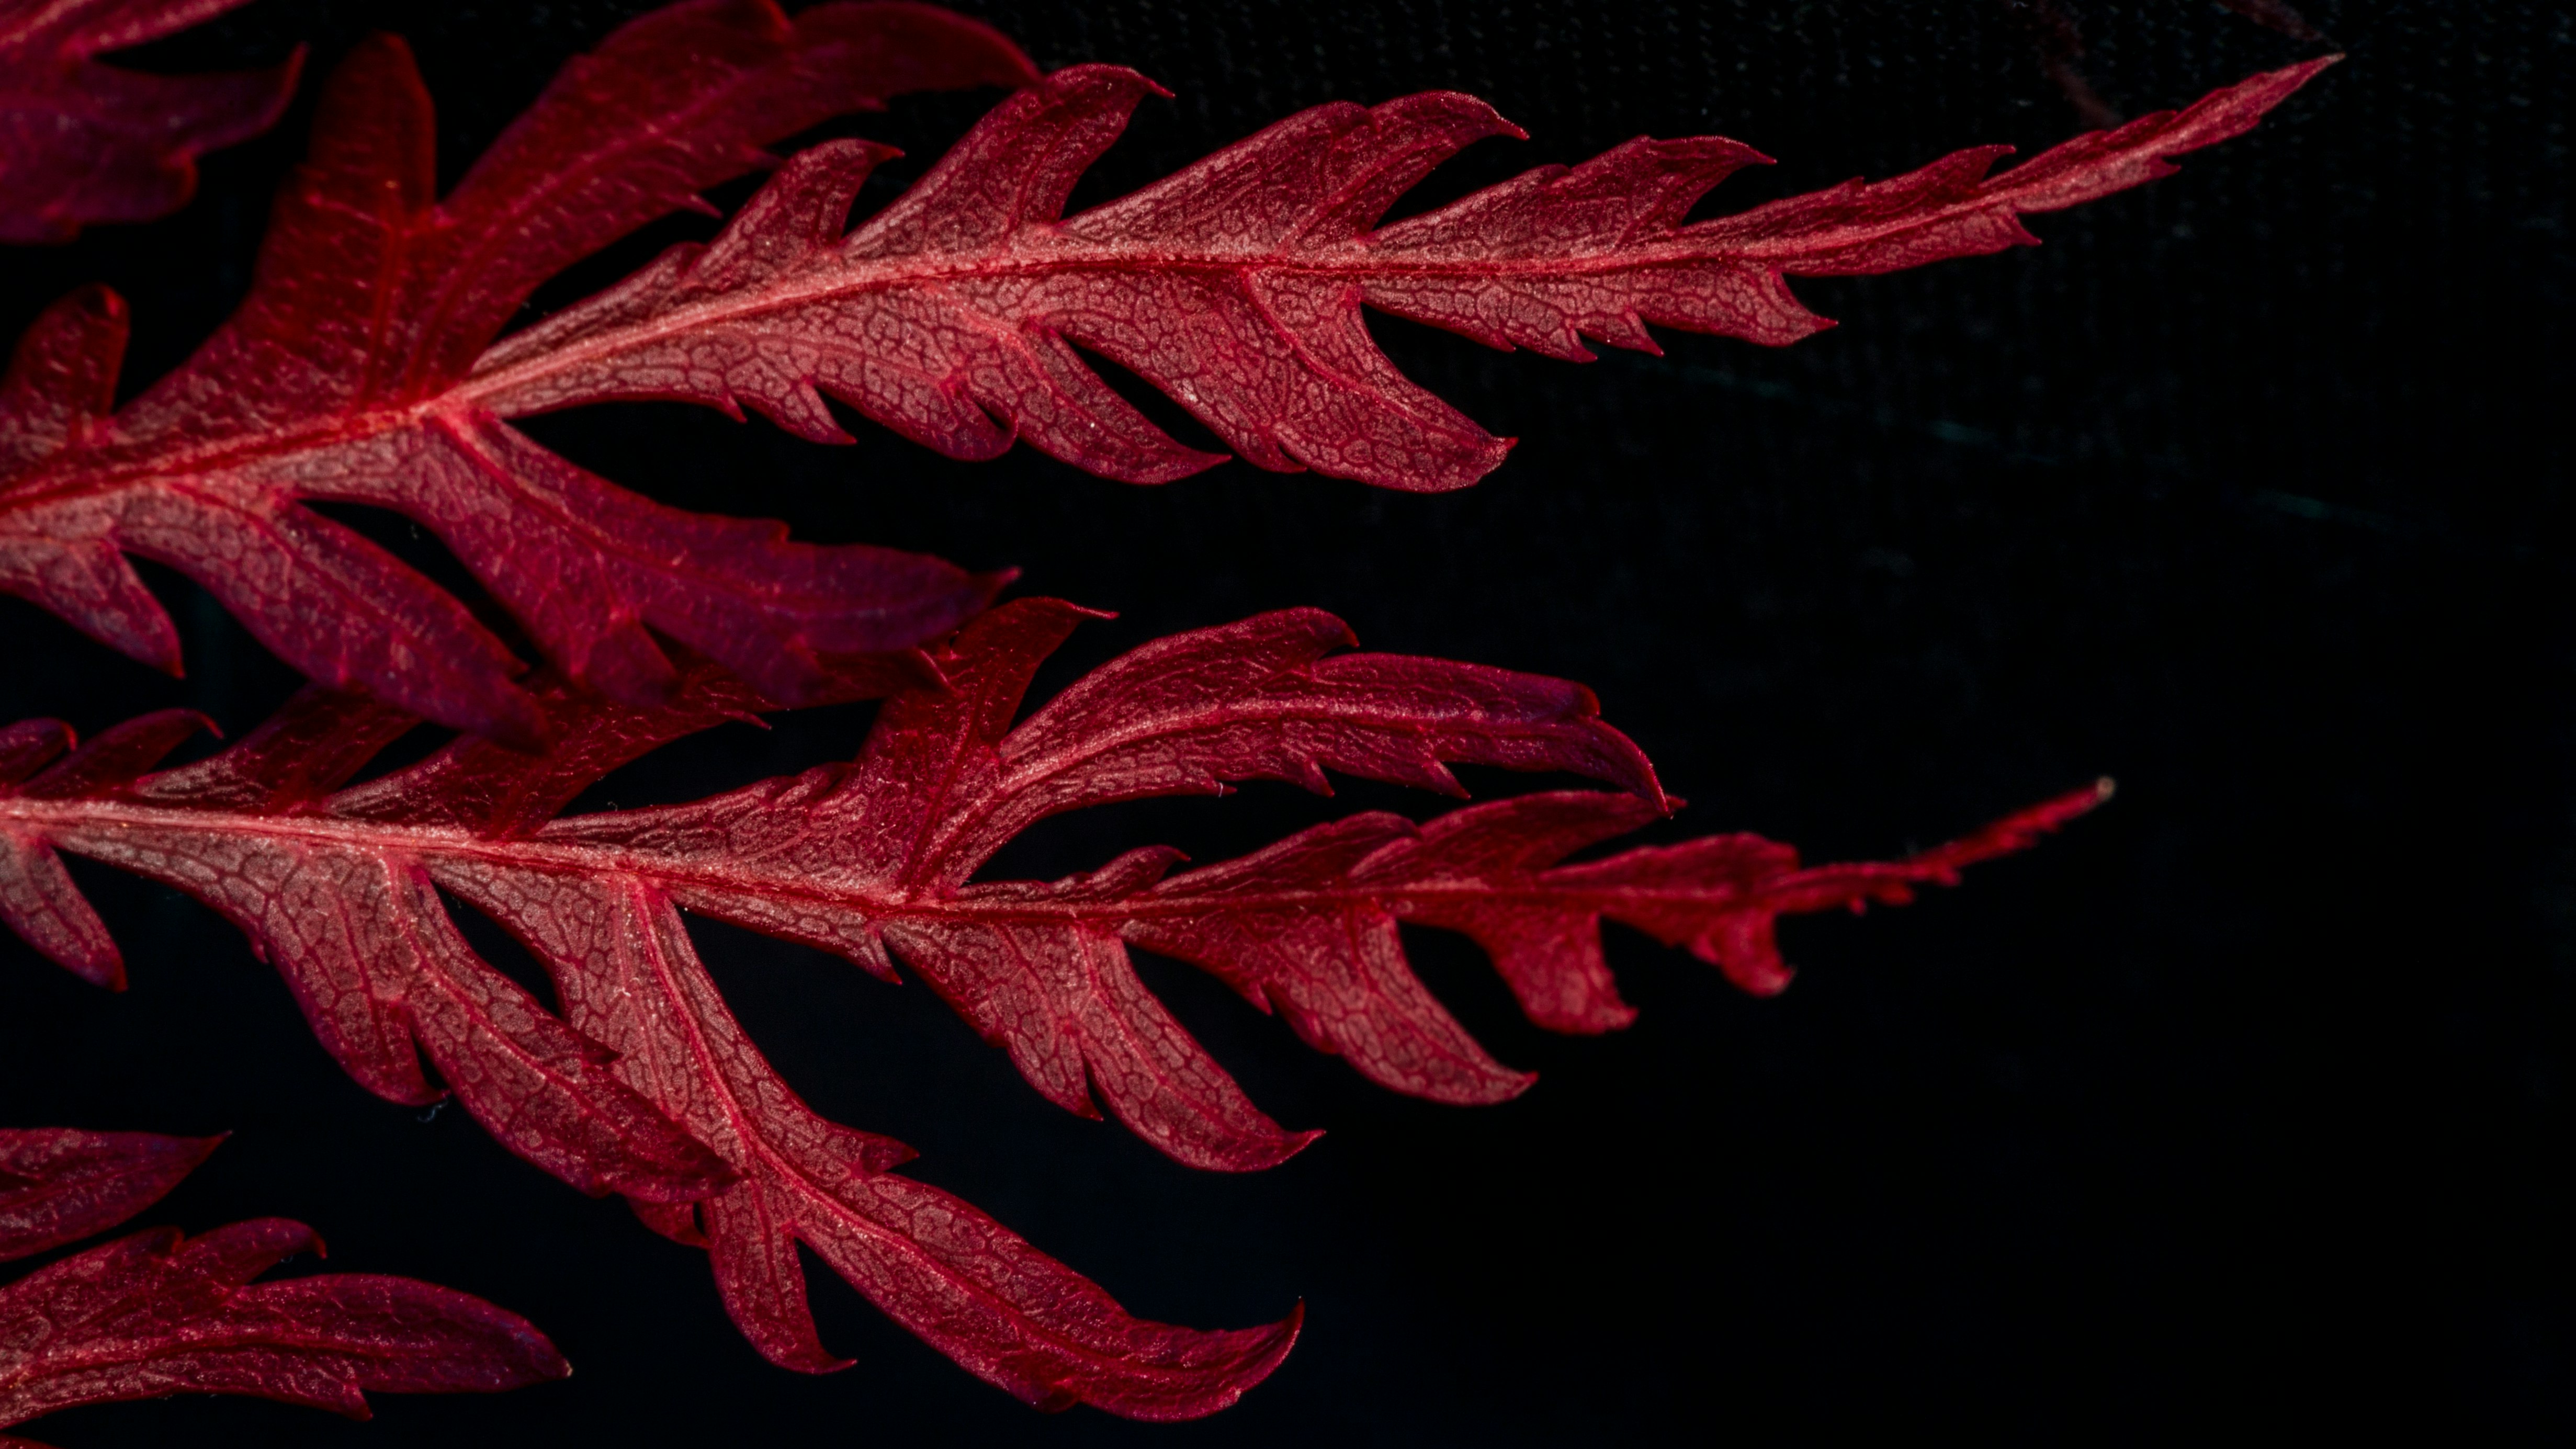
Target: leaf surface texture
{"points": [[363, 368], [82, 142], [643, 1083], [1236, 285], [155, 1313], [338, 380]]}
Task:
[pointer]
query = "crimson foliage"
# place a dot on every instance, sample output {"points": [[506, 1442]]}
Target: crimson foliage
{"points": [[155, 1314], [643, 1083], [83, 142], [364, 368], [337, 380], [358, 370]]}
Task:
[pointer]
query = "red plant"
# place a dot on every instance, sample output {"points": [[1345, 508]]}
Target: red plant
{"points": [[83, 142], [364, 369], [336, 379], [1236, 285], [156, 1314], [357, 370], [645, 1084]]}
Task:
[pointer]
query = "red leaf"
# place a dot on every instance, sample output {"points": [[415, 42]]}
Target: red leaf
{"points": [[351, 373], [1236, 285], [59, 1185], [83, 142], [155, 1314], [876, 859], [338, 378]]}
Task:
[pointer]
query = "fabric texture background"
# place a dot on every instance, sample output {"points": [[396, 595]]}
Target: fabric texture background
{"points": [[2239, 1105]]}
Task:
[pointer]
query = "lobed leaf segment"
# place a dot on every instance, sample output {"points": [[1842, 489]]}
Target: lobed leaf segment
{"points": [[363, 368], [156, 1314], [642, 1083], [82, 142]]}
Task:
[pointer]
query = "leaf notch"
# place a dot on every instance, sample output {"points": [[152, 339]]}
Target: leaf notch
{"points": [[358, 370], [335, 379], [156, 1314], [1236, 285], [82, 142], [878, 860]]}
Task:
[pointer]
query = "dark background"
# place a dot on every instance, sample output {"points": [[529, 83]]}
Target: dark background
{"points": [[2234, 1106]]}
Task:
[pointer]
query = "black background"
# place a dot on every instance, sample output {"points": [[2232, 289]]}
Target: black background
{"points": [[2236, 1105]]}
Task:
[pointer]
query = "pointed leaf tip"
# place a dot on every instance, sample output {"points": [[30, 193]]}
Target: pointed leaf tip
{"points": [[156, 1313], [644, 1067], [989, 297], [59, 1185]]}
